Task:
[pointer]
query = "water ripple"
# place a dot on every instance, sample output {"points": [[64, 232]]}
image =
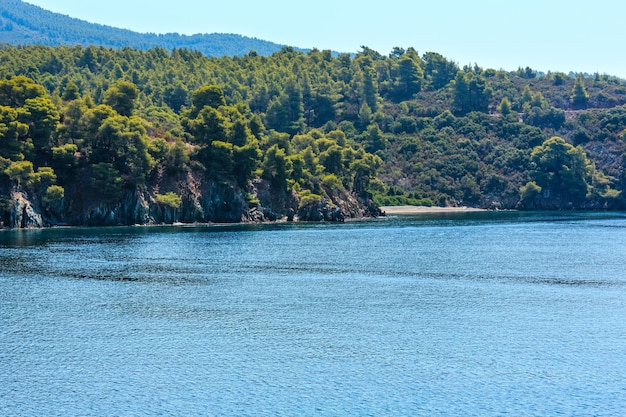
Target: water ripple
{"points": [[522, 314]]}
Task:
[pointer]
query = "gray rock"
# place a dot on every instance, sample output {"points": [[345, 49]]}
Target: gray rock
{"points": [[23, 213]]}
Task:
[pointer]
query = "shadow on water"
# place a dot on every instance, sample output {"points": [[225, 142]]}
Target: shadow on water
{"points": [[82, 235], [500, 217], [195, 254], [20, 238]]}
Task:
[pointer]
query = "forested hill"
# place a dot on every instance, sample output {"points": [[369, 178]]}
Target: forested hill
{"points": [[92, 135], [25, 24]]}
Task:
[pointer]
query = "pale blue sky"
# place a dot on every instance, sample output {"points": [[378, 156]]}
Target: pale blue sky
{"points": [[543, 34]]}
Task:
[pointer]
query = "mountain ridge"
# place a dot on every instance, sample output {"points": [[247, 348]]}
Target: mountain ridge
{"points": [[22, 23]]}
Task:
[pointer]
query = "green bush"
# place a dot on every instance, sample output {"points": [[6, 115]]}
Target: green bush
{"points": [[169, 199], [332, 182], [53, 194], [308, 198]]}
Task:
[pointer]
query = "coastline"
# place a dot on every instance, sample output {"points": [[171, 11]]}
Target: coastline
{"points": [[425, 209], [387, 210]]}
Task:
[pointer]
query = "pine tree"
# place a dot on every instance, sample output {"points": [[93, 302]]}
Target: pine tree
{"points": [[580, 97]]}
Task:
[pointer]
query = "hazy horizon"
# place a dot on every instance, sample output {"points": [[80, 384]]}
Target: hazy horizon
{"points": [[554, 36]]}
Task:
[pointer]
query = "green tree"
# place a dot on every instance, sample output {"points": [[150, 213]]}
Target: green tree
{"points": [[169, 199], [365, 116], [298, 165], [121, 97], [177, 156], [364, 169], [53, 194], [208, 126], [370, 89], [280, 139], [505, 107], [17, 90], [332, 160], [559, 78], [438, 70], [374, 139], [89, 59], [20, 172], [220, 159], [64, 161], [176, 96], [527, 96], [107, 182], [409, 79], [276, 167], [471, 93], [208, 95], [529, 193], [43, 178], [91, 121], [579, 97], [256, 126], [562, 169], [240, 133], [538, 100], [71, 91], [123, 142], [11, 130], [246, 160], [42, 117], [70, 130], [285, 113]]}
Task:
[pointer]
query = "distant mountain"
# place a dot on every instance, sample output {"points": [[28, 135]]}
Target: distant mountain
{"points": [[25, 24]]}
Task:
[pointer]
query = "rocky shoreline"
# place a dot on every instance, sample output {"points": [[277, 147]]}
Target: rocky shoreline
{"points": [[201, 202]]}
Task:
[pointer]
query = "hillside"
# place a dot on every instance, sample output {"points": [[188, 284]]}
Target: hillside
{"points": [[91, 135], [25, 24]]}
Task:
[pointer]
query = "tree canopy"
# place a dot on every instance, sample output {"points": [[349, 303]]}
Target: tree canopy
{"points": [[402, 128]]}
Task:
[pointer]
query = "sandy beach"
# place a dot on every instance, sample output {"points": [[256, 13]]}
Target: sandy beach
{"points": [[425, 209]]}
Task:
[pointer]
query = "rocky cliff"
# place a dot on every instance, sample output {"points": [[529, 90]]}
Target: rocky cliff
{"points": [[23, 213], [201, 201]]}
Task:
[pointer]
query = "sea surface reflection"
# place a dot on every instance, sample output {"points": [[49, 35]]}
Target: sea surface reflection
{"points": [[436, 315]]}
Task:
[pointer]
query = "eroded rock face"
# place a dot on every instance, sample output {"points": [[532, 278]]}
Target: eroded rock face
{"points": [[23, 213], [215, 204], [202, 201], [323, 210], [340, 206], [272, 204]]}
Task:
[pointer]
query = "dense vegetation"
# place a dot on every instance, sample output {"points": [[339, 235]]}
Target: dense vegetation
{"points": [[101, 134], [405, 128], [25, 24]]}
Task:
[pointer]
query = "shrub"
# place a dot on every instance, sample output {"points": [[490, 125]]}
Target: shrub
{"points": [[332, 182], [308, 198], [53, 194], [169, 199]]}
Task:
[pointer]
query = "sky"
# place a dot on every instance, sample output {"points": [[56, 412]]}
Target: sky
{"points": [[546, 35]]}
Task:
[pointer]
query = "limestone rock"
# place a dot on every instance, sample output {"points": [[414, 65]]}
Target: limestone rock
{"points": [[23, 213], [202, 200]]}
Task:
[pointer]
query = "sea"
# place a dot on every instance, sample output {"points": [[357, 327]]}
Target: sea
{"points": [[447, 314]]}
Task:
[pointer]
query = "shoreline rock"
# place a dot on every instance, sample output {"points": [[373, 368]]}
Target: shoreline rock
{"points": [[23, 213], [201, 202]]}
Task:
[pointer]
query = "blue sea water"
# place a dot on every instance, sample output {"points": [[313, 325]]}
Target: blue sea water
{"points": [[477, 314]]}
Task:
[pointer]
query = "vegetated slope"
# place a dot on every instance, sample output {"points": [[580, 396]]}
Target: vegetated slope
{"points": [[95, 135], [25, 24]]}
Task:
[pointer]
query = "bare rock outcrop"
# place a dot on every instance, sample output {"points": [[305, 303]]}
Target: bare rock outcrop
{"points": [[200, 200], [24, 215]]}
